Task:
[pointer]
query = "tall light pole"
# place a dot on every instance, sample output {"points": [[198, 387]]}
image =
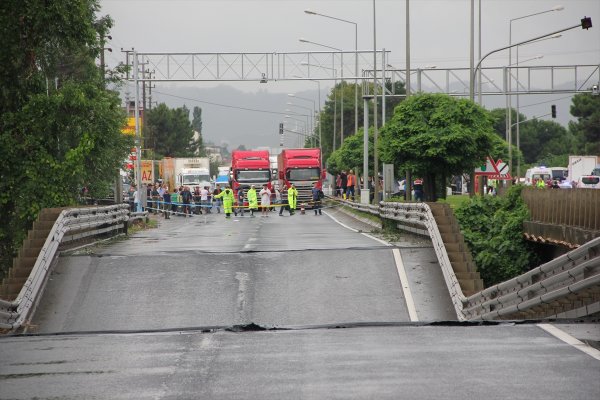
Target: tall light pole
{"points": [[375, 133], [308, 125], [585, 23], [314, 112], [342, 84], [518, 113], [310, 12], [320, 114], [334, 95], [509, 110]]}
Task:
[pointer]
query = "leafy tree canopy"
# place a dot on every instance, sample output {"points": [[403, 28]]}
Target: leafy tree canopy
{"points": [[435, 134], [168, 132], [350, 156], [586, 108], [60, 129]]}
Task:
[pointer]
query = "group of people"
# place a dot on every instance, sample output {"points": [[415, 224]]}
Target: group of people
{"points": [[288, 201], [345, 184], [180, 201]]}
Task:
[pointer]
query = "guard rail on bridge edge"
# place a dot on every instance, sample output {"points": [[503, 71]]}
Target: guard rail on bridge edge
{"points": [[72, 225], [564, 278]]}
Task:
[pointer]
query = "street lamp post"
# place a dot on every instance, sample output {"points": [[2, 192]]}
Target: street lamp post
{"points": [[342, 84], [313, 110], [509, 110], [319, 100], [518, 111], [334, 96], [308, 125], [310, 12], [585, 23], [375, 132]]}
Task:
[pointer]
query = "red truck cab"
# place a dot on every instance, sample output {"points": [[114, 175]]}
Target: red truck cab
{"points": [[250, 167], [303, 168]]}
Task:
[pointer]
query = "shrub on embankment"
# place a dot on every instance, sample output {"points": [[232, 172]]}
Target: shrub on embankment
{"points": [[493, 228]]}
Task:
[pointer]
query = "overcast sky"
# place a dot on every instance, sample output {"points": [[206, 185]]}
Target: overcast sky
{"points": [[439, 30]]}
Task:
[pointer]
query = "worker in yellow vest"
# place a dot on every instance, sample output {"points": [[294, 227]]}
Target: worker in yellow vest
{"points": [[252, 200], [292, 198]]}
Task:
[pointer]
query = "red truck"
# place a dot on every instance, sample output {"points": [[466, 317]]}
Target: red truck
{"points": [[303, 168], [250, 167]]}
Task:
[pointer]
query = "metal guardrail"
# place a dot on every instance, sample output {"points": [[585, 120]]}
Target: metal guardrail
{"points": [[71, 225], [566, 275]]}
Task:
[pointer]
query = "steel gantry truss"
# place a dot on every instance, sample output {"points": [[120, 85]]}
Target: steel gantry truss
{"points": [[260, 67], [455, 81]]}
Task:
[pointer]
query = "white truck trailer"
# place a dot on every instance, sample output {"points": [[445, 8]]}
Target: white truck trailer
{"points": [[193, 172], [581, 166]]}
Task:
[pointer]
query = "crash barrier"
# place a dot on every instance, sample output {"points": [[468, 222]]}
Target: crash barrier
{"points": [[566, 287], [71, 226], [140, 215]]}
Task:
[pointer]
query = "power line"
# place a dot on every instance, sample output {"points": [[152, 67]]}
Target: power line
{"points": [[227, 105], [546, 102]]}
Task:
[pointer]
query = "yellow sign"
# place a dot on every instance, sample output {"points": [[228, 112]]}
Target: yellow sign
{"points": [[129, 129], [147, 171]]}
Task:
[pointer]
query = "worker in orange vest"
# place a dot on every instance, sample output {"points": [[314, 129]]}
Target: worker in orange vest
{"points": [[351, 182]]}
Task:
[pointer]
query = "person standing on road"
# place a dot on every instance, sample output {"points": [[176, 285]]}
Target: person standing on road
{"points": [[284, 201], [240, 202], [217, 202], [292, 198], [186, 199], [228, 199], [167, 202], [343, 183], [265, 200], [252, 200], [136, 200], [317, 195], [204, 200], [350, 183]]}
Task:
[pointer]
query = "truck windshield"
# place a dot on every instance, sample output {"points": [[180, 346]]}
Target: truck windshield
{"points": [[253, 176], [191, 179], [304, 174], [559, 173]]}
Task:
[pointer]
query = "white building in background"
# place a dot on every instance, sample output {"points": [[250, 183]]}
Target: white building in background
{"points": [[215, 153]]}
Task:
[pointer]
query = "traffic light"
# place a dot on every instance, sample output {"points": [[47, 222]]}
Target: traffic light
{"points": [[281, 128], [586, 23], [553, 109]]}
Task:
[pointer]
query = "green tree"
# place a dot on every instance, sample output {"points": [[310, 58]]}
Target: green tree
{"points": [[542, 140], [586, 130], [169, 132], [436, 136], [60, 129], [350, 155]]}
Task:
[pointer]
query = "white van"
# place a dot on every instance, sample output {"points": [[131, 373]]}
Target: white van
{"points": [[534, 174]]}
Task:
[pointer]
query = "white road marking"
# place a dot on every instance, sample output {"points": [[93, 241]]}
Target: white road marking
{"points": [[377, 239], [410, 304], [342, 224], [565, 337]]}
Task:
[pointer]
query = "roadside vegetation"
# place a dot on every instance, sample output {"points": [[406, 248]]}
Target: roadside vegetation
{"points": [[60, 127], [493, 229]]}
